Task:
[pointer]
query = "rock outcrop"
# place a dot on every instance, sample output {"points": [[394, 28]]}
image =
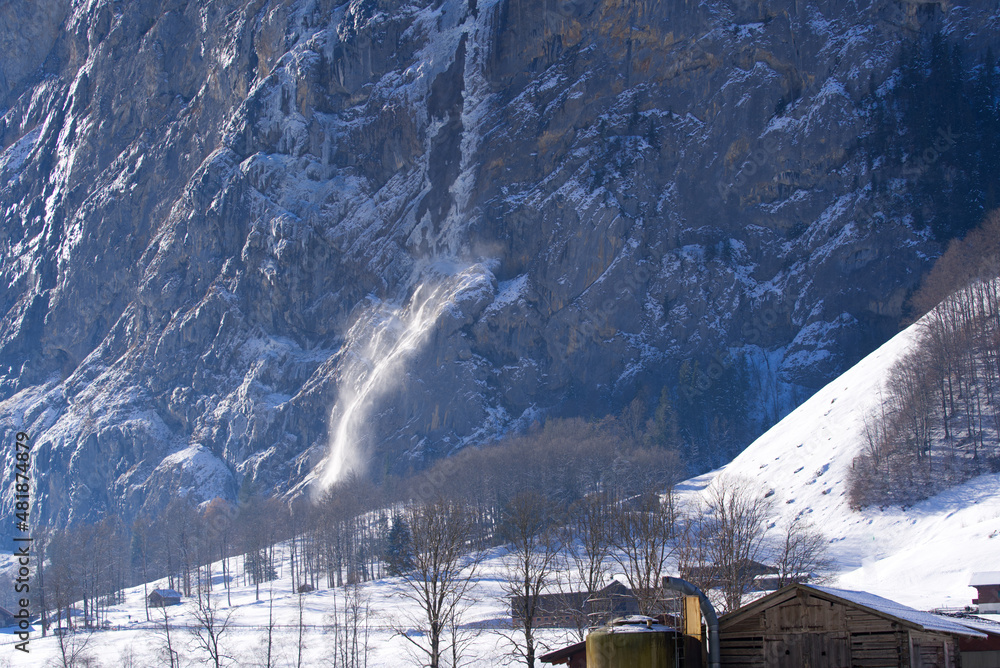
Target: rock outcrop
{"points": [[200, 200]]}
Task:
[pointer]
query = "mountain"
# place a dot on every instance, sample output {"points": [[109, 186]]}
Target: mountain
{"points": [[923, 555], [238, 236]]}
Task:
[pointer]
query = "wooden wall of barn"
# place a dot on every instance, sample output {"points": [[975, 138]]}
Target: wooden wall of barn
{"points": [[804, 631]]}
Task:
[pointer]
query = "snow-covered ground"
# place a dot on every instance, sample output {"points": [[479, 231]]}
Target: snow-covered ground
{"points": [[922, 556], [390, 612]]}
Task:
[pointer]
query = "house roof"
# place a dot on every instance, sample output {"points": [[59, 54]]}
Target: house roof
{"points": [[985, 625], [883, 607], [166, 593], [985, 578], [615, 587]]}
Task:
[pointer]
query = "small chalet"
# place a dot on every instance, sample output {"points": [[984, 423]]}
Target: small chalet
{"points": [[804, 625], [988, 586], [6, 618], [161, 598]]}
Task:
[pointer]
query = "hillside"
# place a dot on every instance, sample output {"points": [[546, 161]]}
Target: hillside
{"points": [[921, 556]]}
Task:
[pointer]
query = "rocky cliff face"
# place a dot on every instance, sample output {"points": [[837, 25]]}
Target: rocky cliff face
{"points": [[204, 204]]}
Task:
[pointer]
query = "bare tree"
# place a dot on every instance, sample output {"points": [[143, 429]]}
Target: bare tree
{"points": [[167, 641], [802, 554], [939, 418], [444, 571], [127, 658], [257, 531], [529, 528], [219, 517], [73, 650], [642, 541], [300, 645], [632, 420], [141, 553], [266, 654], [41, 548], [461, 637], [587, 544], [351, 629], [62, 575], [210, 626], [691, 548], [734, 526]]}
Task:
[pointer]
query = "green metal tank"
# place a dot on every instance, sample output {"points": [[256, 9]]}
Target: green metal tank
{"points": [[632, 642]]}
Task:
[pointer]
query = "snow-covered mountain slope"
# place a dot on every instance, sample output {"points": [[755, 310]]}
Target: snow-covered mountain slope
{"points": [[921, 556]]}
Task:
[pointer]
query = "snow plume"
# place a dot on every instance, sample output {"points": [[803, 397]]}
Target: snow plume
{"points": [[386, 336], [377, 349]]}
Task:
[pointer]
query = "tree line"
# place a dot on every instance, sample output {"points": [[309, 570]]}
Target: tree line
{"points": [[938, 420]]}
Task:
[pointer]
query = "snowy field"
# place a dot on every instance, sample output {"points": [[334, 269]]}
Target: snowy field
{"points": [[922, 556], [483, 633]]}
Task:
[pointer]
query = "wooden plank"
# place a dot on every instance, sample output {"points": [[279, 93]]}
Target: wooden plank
{"points": [[750, 624], [799, 615], [808, 650]]}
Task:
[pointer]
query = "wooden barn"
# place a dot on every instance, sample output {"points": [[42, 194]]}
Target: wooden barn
{"points": [[805, 626]]}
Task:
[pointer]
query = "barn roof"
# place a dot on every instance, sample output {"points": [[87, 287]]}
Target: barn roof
{"points": [[985, 578], [877, 605], [564, 653], [166, 593], [925, 620]]}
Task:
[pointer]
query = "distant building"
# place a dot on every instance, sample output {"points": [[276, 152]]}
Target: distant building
{"points": [[760, 576], [980, 652], [578, 609], [161, 598], [987, 584], [6, 618], [804, 625]]}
